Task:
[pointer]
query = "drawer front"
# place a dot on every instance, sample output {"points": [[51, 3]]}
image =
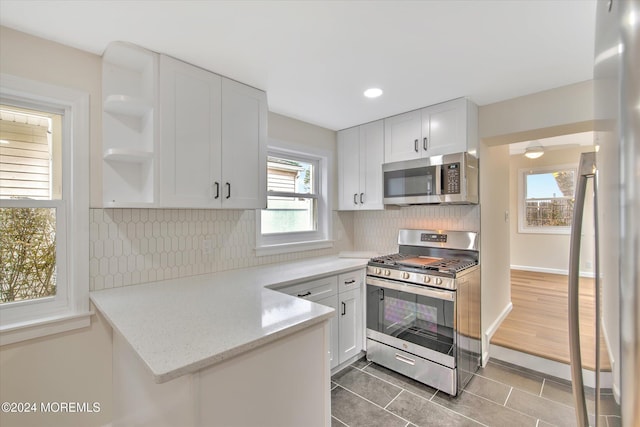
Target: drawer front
{"points": [[413, 366], [351, 280], [313, 290]]}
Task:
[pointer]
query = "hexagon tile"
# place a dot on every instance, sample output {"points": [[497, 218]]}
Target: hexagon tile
{"points": [[132, 246]]}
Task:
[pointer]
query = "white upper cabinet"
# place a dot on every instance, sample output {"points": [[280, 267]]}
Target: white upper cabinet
{"points": [[403, 137], [360, 157], [445, 128], [179, 136], [244, 146], [190, 129], [213, 140]]}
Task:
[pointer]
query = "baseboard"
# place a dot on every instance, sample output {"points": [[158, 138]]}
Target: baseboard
{"points": [[550, 270], [491, 330], [615, 387], [549, 367]]}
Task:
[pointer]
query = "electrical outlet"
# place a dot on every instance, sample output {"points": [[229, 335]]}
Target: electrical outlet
{"points": [[207, 246]]}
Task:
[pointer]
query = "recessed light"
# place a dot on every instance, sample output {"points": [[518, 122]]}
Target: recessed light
{"points": [[373, 92]]}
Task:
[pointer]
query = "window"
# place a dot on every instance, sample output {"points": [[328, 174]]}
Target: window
{"points": [[297, 215], [43, 212], [546, 200], [30, 171]]}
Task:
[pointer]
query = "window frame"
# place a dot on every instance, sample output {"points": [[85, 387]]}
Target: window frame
{"points": [[70, 308], [522, 191], [279, 243]]}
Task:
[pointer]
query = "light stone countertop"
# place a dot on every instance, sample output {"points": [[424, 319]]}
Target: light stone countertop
{"points": [[181, 326]]}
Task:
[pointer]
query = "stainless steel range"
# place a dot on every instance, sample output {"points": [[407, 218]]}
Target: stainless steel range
{"points": [[423, 308]]}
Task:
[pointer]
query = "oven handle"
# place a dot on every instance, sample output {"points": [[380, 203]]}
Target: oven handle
{"points": [[412, 289]]}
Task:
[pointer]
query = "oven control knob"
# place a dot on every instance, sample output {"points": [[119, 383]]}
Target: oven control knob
{"points": [[387, 273], [377, 271], [438, 281], [427, 279], [405, 275]]}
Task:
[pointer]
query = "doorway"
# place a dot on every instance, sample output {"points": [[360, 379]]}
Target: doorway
{"points": [[540, 214]]}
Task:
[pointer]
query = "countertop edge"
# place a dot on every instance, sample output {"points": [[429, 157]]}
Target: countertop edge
{"points": [[160, 378]]}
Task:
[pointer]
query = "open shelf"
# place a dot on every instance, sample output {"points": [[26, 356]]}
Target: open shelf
{"points": [[127, 105], [127, 155]]}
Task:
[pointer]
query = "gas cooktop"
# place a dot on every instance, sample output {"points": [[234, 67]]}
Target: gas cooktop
{"points": [[428, 263]]}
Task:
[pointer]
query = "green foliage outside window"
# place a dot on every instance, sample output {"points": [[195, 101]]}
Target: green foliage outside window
{"points": [[27, 253]]}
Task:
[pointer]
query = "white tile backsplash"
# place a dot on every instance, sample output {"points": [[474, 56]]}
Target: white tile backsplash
{"points": [[132, 246], [378, 230]]}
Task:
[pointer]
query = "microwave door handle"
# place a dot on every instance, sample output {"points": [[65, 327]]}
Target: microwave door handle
{"points": [[439, 180]]}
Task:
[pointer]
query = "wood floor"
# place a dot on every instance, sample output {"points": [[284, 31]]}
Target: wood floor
{"points": [[538, 322]]}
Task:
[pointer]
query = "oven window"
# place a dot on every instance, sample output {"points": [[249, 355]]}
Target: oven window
{"points": [[410, 182], [422, 320]]}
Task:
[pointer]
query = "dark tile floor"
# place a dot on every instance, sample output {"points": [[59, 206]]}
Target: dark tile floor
{"points": [[368, 395]]}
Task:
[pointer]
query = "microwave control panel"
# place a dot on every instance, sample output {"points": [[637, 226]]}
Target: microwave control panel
{"points": [[451, 178]]}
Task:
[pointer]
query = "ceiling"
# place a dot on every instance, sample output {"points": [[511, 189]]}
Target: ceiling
{"points": [[315, 58], [581, 139]]}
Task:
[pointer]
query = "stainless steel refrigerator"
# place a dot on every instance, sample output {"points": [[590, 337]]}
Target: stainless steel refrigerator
{"points": [[614, 168]]}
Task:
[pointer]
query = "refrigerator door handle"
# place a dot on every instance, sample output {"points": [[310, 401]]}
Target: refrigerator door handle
{"points": [[586, 170]]}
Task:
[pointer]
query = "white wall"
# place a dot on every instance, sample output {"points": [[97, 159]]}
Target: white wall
{"points": [[73, 366], [546, 252], [494, 240]]}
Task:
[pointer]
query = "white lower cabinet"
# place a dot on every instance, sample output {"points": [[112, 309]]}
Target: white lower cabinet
{"points": [[281, 383], [343, 293], [350, 324], [334, 340]]}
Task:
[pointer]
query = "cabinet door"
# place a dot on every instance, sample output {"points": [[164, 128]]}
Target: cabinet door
{"points": [[446, 125], [244, 146], [334, 341], [350, 324], [403, 137], [189, 135], [349, 169], [371, 159]]}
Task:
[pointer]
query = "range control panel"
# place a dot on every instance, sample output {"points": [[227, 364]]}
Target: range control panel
{"points": [[433, 237]]}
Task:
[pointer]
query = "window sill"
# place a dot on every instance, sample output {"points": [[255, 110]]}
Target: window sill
{"points": [[40, 328], [293, 247]]}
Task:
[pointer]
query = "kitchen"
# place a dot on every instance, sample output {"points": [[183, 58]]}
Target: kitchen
{"points": [[87, 373]]}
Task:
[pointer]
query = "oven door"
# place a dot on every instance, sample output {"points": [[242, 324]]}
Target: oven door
{"points": [[416, 319]]}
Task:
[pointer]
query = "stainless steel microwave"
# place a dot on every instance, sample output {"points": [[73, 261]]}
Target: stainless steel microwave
{"points": [[447, 179]]}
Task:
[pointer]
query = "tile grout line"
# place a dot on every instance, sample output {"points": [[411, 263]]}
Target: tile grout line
{"points": [[389, 382], [508, 396], [454, 411], [392, 400], [332, 416], [375, 404]]}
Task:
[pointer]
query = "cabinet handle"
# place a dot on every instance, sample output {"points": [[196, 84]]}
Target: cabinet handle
{"points": [[344, 308], [350, 282], [415, 145], [361, 198], [228, 190], [355, 198], [425, 142], [306, 294], [381, 294], [217, 186]]}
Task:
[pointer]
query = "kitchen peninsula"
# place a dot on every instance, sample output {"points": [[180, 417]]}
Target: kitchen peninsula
{"points": [[222, 349]]}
